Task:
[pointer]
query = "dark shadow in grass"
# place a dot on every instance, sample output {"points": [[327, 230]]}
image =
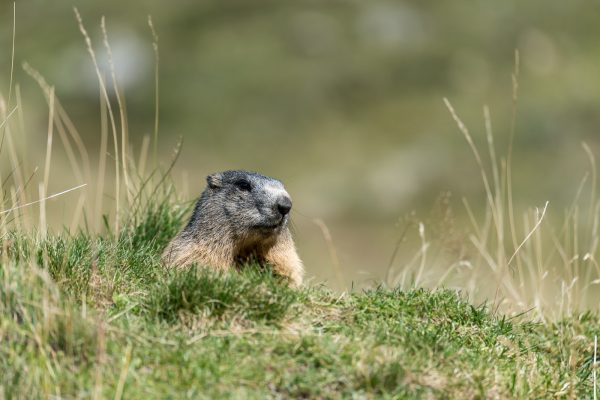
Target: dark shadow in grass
{"points": [[250, 294]]}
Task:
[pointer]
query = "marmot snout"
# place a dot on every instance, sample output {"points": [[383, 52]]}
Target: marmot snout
{"points": [[240, 216]]}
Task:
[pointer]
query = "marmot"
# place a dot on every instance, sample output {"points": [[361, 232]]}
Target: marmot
{"points": [[240, 216]]}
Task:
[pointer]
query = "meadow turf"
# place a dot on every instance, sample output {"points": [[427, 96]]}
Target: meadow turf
{"points": [[98, 316], [90, 311]]}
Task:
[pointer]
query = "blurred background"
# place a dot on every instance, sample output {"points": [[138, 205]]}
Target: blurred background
{"points": [[341, 100]]}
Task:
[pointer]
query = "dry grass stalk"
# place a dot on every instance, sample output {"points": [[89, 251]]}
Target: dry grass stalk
{"points": [[104, 93]]}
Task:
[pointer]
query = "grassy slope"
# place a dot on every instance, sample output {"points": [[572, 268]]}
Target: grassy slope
{"points": [[102, 318]]}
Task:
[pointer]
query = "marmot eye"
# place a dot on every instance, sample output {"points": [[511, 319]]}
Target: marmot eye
{"points": [[243, 185]]}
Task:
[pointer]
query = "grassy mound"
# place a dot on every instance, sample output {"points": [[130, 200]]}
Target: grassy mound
{"points": [[85, 315], [95, 314]]}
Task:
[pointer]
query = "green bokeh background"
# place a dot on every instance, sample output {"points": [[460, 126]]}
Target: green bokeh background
{"points": [[341, 100]]}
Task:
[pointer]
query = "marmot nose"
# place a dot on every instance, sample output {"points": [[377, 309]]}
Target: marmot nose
{"points": [[284, 205]]}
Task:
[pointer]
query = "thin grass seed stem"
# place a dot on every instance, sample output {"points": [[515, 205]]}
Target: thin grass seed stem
{"points": [[595, 236], [61, 116], [500, 251], [120, 104], [395, 252], [21, 191], [50, 139], [594, 365], [62, 134], [24, 148], [564, 231], [504, 282], [453, 267], [43, 225], [70, 128], [7, 117], [12, 53], [409, 266], [538, 244], [538, 223], [101, 163], [576, 257], [531, 269], [14, 158], [16, 172], [5, 259], [592, 205], [424, 247], [79, 211], [63, 123], [331, 248], [509, 194], [492, 208], [528, 221], [42, 199], [104, 93], [471, 216], [156, 88], [491, 148], [54, 105], [18, 223], [484, 253], [463, 129], [141, 169]]}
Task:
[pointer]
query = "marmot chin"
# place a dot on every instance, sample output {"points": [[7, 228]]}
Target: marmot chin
{"points": [[240, 216]]}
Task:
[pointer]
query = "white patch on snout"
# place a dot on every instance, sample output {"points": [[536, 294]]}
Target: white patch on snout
{"points": [[276, 192]]}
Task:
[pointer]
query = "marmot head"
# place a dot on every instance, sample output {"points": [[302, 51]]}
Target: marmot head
{"points": [[253, 202]]}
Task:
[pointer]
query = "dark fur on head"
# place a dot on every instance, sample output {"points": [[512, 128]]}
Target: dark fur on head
{"points": [[240, 215]]}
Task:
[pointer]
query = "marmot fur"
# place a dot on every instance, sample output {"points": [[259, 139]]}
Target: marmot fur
{"points": [[240, 216]]}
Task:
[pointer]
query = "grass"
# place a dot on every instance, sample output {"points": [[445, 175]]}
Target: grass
{"points": [[104, 319], [90, 311]]}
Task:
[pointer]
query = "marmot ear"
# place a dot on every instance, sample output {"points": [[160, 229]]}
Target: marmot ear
{"points": [[214, 180]]}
